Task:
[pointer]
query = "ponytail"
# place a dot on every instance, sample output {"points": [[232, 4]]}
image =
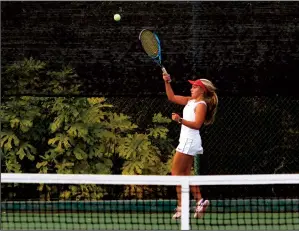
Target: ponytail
{"points": [[211, 99]]}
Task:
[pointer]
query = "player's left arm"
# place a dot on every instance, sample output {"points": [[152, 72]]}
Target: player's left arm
{"points": [[200, 115]]}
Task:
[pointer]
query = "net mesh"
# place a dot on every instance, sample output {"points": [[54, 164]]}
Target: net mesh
{"points": [[125, 205], [149, 43]]}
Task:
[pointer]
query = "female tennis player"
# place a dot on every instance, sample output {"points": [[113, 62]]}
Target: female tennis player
{"points": [[200, 108]]}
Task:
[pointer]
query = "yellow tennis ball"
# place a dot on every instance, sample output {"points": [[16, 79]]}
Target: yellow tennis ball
{"points": [[117, 17]]}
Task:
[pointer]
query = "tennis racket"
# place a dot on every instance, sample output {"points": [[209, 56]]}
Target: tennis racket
{"points": [[151, 45]]}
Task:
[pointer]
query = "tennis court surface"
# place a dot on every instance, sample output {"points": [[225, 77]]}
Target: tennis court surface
{"points": [[103, 202]]}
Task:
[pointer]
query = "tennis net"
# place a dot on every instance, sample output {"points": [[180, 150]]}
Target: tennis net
{"points": [[122, 202]]}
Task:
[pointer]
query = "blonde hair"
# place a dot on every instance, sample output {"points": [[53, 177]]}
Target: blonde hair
{"points": [[211, 99]]}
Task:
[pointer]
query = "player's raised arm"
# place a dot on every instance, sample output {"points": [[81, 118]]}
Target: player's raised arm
{"points": [[178, 99]]}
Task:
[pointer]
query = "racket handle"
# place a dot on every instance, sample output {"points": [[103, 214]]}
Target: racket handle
{"points": [[165, 72]]}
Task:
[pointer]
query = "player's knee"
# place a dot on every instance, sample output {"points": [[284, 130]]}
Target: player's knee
{"points": [[173, 172], [177, 172]]}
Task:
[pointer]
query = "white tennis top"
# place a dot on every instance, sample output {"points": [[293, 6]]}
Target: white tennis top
{"points": [[189, 114]]}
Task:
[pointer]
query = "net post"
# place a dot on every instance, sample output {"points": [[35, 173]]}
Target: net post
{"points": [[185, 192]]}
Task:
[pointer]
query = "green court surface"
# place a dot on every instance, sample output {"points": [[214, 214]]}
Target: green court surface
{"points": [[146, 221]]}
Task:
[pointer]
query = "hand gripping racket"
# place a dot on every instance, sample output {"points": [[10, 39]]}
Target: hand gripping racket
{"points": [[151, 45]]}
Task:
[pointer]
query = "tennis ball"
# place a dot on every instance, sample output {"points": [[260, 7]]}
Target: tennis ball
{"points": [[117, 17]]}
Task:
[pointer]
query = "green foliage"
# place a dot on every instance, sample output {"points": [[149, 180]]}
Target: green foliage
{"points": [[75, 135], [60, 81], [23, 75], [17, 140]]}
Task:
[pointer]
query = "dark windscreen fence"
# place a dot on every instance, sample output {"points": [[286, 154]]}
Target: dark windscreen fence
{"points": [[245, 48], [128, 206]]}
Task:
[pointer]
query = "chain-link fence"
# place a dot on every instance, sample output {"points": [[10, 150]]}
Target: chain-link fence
{"points": [[251, 135]]}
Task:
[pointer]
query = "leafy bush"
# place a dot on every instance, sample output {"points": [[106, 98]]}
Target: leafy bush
{"points": [[75, 135]]}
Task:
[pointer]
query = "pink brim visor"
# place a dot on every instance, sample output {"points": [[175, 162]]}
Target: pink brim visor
{"points": [[198, 83]]}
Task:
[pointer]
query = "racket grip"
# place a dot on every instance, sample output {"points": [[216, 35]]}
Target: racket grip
{"points": [[165, 72]]}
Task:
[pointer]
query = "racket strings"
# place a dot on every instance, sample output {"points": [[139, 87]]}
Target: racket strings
{"points": [[149, 43]]}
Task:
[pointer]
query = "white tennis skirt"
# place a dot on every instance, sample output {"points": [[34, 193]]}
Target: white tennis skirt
{"points": [[190, 146]]}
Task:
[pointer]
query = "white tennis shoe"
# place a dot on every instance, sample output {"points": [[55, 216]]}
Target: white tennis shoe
{"points": [[178, 213], [201, 207]]}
